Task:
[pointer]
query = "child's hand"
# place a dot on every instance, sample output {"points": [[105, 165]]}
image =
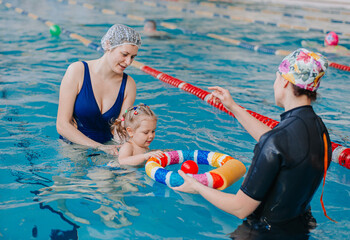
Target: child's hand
{"points": [[157, 154]]}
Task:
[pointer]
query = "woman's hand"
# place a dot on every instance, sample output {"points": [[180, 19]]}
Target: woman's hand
{"points": [[222, 95], [190, 184], [157, 154], [110, 149]]}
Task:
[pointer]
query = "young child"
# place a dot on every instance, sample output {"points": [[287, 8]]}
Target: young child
{"points": [[137, 130]]}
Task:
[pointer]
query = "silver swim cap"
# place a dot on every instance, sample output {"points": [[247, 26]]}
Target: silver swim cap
{"points": [[118, 35]]}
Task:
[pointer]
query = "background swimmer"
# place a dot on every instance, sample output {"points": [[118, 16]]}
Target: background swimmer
{"points": [[331, 41], [137, 129], [150, 30]]}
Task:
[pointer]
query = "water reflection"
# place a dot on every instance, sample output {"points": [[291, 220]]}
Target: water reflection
{"points": [[82, 183]]}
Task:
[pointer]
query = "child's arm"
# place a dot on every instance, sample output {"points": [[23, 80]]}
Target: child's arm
{"points": [[126, 156]]}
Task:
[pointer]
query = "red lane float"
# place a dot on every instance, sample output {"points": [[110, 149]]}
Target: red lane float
{"points": [[339, 66], [194, 90], [169, 79], [340, 154], [151, 71]]}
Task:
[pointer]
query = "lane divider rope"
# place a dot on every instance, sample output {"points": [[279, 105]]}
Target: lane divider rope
{"points": [[340, 155], [233, 17], [281, 5], [219, 6], [242, 44]]}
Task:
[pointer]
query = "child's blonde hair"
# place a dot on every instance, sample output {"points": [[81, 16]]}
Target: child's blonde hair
{"points": [[132, 118]]}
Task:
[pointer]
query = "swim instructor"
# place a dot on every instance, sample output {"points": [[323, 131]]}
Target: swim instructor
{"points": [[95, 93], [288, 163]]}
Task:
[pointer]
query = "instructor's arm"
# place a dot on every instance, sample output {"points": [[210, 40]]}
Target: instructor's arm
{"points": [[253, 126], [240, 204]]}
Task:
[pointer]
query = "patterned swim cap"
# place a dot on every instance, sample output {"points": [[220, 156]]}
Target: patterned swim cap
{"points": [[331, 39], [118, 35], [304, 68]]}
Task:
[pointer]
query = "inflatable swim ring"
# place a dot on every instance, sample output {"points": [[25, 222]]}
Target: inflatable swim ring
{"points": [[228, 170]]}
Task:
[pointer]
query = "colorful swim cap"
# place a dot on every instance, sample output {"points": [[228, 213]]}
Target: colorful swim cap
{"points": [[304, 68], [331, 39], [118, 35]]}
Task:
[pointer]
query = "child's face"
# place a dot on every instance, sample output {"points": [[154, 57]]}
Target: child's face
{"points": [[144, 134]]}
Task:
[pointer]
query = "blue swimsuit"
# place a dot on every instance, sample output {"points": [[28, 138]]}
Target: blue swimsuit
{"points": [[87, 114]]}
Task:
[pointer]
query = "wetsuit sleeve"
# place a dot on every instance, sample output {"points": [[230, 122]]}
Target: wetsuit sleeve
{"points": [[265, 166]]}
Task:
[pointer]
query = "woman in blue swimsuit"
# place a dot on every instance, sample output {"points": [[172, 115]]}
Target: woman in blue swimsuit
{"points": [[288, 163], [95, 93]]}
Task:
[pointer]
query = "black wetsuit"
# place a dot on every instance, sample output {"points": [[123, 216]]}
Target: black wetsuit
{"points": [[286, 171]]}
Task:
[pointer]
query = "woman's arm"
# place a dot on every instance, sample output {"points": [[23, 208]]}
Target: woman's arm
{"points": [[130, 95], [253, 126], [240, 204], [69, 89]]}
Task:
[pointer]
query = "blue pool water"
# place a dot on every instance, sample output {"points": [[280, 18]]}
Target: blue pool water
{"points": [[50, 190]]}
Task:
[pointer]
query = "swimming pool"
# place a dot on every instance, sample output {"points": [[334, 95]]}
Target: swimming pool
{"points": [[52, 190]]}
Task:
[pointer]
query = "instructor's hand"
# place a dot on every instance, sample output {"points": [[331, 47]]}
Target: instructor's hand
{"points": [[223, 95], [190, 184]]}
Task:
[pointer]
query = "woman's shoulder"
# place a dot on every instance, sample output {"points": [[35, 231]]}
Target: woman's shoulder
{"points": [[74, 73], [130, 84], [76, 67], [130, 79]]}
